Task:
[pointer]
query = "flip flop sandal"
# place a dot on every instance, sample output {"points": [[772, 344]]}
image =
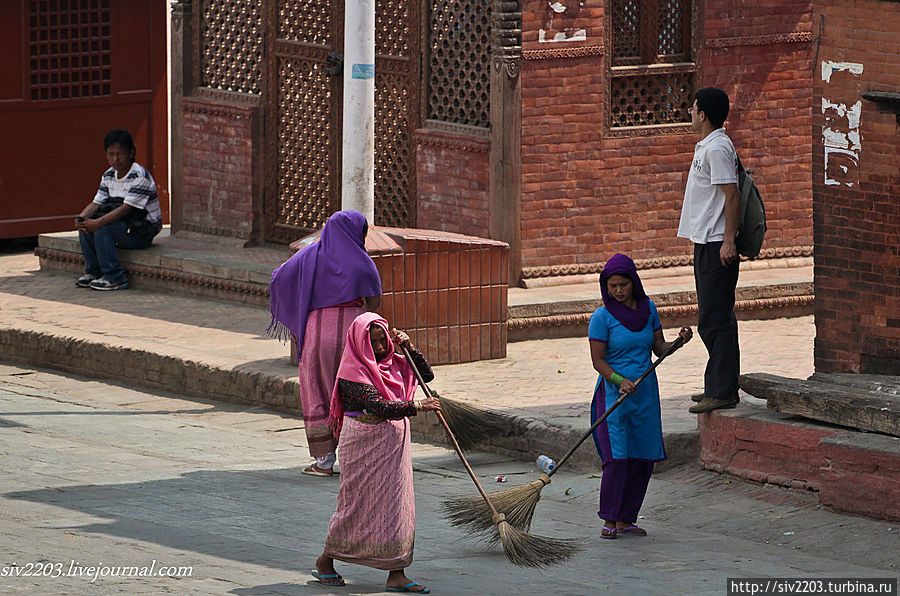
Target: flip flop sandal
{"points": [[608, 533], [407, 587], [634, 531], [338, 580], [315, 470]]}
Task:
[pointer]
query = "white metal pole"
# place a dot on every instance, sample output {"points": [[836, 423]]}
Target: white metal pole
{"points": [[358, 160]]}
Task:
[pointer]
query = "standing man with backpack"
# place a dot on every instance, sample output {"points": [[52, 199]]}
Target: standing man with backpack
{"points": [[710, 217]]}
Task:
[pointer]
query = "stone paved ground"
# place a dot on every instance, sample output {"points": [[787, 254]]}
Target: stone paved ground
{"points": [[549, 380], [104, 475]]}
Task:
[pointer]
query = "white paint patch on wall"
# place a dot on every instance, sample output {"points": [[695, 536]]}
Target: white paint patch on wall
{"points": [[829, 68], [840, 132], [559, 20]]}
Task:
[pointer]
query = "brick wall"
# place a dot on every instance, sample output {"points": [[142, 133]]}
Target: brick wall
{"points": [[221, 179], [857, 211], [448, 291], [587, 194], [452, 183]]}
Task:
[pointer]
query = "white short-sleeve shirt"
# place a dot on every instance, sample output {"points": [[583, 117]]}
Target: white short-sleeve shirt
{"points": [[703, 212], [136, 188]]}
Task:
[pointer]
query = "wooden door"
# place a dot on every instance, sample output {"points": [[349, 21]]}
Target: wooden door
{"points": [[72, 70], [304, 108], [303, 136]]}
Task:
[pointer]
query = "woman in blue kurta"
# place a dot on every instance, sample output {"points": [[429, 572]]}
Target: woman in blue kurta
{"points": [[622, 334]]}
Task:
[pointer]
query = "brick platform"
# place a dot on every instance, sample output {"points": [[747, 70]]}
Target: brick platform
{"points": [[852, 471], [448, 291]]}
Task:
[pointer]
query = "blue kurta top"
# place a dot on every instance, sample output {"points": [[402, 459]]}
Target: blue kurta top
{"points": [[634, 430]]}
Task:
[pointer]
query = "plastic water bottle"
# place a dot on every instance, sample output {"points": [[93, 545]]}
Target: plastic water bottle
{"points": [[545, 464]]}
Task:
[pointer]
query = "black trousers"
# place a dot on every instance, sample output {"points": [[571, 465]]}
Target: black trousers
{"points": [[717, 324]]}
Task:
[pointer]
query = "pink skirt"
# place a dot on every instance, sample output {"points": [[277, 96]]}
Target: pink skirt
{"points": [[375, 521], [323, 345]]}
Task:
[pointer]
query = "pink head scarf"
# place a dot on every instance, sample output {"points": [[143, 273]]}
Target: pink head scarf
{"points": [[392, 376]]}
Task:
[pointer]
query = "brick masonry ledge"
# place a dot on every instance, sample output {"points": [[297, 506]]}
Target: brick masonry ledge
{"points": [[851, 471], [191, 263], [273, 384]]}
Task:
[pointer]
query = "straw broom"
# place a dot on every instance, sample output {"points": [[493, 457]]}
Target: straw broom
{"points": [[518, 503], [471, 425], [521, 548]]}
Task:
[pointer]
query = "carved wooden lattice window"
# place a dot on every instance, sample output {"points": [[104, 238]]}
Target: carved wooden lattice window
{"points": [[459, 61], [394, 113], [304, 141], [69, 49], [231, 45], [392, 160], [652, 73]]}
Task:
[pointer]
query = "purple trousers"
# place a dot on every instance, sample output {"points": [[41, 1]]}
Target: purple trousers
{"points": [[622, 489]]}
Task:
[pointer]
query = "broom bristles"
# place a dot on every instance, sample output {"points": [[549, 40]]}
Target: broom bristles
{"points": [[517, 504], [471, 425], [528, 550]]}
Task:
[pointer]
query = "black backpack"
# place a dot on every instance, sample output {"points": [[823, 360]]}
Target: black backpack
{"points": [[752, 227]]}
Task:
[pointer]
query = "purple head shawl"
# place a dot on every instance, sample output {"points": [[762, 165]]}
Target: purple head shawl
{"points": [[635, 319], [334, 270]]}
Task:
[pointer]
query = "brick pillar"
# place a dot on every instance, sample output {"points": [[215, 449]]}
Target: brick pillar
{"points": [[182, 70]]}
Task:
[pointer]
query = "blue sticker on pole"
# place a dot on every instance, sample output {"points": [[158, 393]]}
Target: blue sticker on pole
{"points": [[363, 71]]}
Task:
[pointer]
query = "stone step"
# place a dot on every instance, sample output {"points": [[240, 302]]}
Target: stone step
{"points": [[824, 401], [851, 471], [214, 267], [569, 318], [192, 264]]}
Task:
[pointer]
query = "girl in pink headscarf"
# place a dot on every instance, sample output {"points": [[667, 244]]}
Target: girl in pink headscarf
{"points": [[375, 521]]}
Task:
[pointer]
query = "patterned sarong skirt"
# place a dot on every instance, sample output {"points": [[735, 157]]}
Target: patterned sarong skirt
{"points": [[375, 521], [323, 345]]}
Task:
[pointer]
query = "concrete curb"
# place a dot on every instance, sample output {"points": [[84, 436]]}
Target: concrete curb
{"points": [[258, 386]]}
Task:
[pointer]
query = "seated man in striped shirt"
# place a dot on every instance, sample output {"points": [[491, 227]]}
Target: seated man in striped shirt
{"points": [[124, 213]]}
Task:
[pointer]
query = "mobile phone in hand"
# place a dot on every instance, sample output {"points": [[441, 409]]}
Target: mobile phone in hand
{"points": [[79, 218]]}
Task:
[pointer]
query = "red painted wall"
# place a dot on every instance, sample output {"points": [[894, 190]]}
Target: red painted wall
{"points": [[62, 88]]}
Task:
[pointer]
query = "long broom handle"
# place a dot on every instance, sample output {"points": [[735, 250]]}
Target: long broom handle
{"points": [[679, 341], [449, 432]]}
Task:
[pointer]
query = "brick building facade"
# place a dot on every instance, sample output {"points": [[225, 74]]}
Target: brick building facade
{"points": [[590, 189], [560, 165], [856, 183]]}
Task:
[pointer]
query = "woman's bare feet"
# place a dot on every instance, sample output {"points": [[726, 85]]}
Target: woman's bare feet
{"points": [[315, 470], [398, 582], [630, 528], [609, 530], [326, 573]]}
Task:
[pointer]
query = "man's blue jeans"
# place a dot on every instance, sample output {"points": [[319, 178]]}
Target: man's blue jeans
{"points": [[99, 249]]}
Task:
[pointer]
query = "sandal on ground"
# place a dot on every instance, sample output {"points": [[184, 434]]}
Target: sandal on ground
{"points": [[608, 533], [410, 588], [329, 579], [315, 470], [634, 531]]}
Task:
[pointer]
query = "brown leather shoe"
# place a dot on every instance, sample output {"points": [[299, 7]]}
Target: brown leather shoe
{"points": [[698, 397], [708, 404]]}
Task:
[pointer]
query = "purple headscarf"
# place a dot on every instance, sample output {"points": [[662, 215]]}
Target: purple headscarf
{"points": [[334, 270], [635, 319]]}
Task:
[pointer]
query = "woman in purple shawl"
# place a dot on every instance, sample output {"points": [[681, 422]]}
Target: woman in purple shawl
{"points": [[314, 297], [623, 333]]}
